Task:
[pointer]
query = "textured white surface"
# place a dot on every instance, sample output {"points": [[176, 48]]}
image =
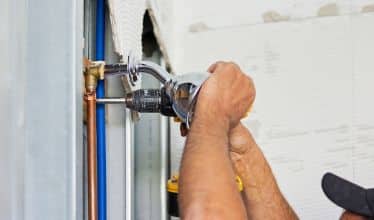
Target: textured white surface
{"points": [[313, 73], [126, 17], [175, 19]]}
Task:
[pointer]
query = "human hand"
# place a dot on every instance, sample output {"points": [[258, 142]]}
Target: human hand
{"points": [[243, 148], [226, 95], [240, 141]]}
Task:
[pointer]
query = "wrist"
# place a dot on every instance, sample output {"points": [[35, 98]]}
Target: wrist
{"points": [[208, 114]]}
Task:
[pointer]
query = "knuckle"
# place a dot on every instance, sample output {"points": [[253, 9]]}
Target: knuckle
{"points": [[232, 66], [219, 64], [215, 67]]}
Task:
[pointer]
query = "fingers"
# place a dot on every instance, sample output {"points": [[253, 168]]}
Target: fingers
{"points": [[229, 89], [214, 66], [223, 65]]}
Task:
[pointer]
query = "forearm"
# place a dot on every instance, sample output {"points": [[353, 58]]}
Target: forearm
{"points": [[207, 180], [263, 197]]}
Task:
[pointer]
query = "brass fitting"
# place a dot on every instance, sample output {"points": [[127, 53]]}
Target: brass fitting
{"points": [[93, 71]]}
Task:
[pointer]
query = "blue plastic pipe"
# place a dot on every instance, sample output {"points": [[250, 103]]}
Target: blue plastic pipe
{"points": [[100, 113]]}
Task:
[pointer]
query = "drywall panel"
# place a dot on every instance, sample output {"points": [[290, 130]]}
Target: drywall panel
{"points": [[174, 19], [213, 14], [363, 79], [312, 113]]}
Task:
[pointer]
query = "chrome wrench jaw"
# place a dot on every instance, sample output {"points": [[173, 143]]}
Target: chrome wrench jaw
{"points": [[183, 92]]}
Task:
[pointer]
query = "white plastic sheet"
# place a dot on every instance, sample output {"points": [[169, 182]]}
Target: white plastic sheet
{"points": [[126, 17]]}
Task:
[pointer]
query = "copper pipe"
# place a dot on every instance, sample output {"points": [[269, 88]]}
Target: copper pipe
{"points": [[90, 98]]}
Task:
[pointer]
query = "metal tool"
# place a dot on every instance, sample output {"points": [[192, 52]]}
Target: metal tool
{"points": [[178, 93], [145, 101]]}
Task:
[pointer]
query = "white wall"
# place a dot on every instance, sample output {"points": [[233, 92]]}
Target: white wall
{"points": [[312, 65]]}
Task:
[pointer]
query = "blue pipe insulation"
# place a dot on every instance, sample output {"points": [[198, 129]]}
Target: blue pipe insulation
{"points": [[100, 113]]}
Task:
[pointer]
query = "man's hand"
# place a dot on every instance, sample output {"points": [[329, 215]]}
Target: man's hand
{"points": [[262, 195], [226, 95], [207, 181]]}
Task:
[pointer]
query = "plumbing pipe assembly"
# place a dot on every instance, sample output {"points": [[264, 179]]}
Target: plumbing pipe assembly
{"points": [[93, 72], [176, 98]]}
